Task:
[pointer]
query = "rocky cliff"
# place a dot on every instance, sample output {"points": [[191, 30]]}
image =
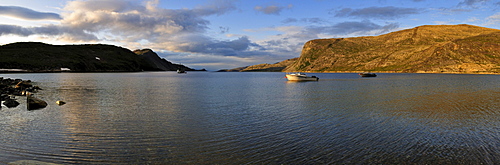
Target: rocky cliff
{"points": [[430, 49], [154, 60]]}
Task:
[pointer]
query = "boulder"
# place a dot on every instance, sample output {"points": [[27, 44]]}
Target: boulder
{"points": [[23, 85], [34, 103], [10, 103]]}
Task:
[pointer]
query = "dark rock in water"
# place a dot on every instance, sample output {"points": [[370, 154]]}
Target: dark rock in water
{"points": [[34, 103], [60, 102], [23, 85], [10, 103]]}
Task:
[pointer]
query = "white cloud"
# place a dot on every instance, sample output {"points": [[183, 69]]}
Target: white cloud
{"points": [[493, 19]]}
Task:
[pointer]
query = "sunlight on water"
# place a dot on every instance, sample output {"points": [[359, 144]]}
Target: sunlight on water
{"points": [[255, 118]]}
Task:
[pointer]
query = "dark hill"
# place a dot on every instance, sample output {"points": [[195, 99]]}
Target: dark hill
{"points": [[41, 57]]}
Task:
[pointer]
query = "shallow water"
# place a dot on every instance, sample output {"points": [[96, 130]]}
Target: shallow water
{"points": [[255, 118]]}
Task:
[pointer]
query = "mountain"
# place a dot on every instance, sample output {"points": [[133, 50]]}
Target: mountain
{"points": [[154, 60], [41, 57], [423, 49], [276, 67]]}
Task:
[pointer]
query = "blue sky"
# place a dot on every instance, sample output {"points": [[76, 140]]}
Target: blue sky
{"points": [[223, 34]]}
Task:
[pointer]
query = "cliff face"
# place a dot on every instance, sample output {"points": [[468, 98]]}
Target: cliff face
{"points": [[40, 57], [432, 49], [154, 60]]}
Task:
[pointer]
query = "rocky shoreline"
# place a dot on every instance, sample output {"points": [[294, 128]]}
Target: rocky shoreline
{"points": [[10, 88]]}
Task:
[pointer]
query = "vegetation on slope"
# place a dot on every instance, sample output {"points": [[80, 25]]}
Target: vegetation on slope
{"points": [[41, 57], [435, 49]]}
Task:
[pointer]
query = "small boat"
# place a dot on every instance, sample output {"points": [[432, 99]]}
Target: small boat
{"points": [[181, 71], [368, 74], [300, 77]]}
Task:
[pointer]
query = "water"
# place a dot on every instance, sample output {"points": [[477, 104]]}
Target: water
{"points": [[255, 118]]}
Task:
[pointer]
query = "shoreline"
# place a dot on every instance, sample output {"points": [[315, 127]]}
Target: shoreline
{"points": [[419, 72], [4, 71]]}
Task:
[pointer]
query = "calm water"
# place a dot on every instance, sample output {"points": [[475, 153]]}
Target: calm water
{"points": [[255, 118]]}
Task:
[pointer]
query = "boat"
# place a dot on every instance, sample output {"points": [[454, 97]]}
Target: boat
{"points": [[368, 74], [181, 71], [300, 77]]}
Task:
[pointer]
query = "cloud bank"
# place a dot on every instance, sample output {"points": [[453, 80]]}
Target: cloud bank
{"points": [[27, 14], [388, 12]]}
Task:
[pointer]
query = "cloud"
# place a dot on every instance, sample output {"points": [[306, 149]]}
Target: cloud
{"points": [[194, 43], [472, 2], [388, 12], [353, 27], [128, 18], [27, 14], [59, 32], [314, 20], [272, 9], [493, 19]]}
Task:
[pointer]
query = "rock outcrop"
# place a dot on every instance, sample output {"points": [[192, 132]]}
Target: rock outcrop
{"points": [[34, 103], [161, 64], [423, 49], [9, 88]]}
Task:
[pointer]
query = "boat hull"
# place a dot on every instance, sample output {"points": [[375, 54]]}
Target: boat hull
{"points": [[368, 75], [301, 78]]}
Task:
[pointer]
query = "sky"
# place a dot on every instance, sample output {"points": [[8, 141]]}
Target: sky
{"points": [[225, 34]]}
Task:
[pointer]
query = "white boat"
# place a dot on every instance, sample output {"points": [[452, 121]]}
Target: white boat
{"points": [[300, 77]]}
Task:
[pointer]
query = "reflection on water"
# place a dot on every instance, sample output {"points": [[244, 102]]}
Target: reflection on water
{"points": [[256, 118]]}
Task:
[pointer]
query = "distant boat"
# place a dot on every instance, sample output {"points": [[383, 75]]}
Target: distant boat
{"points": [[368, 74], [181, 71], [300, 77]]}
